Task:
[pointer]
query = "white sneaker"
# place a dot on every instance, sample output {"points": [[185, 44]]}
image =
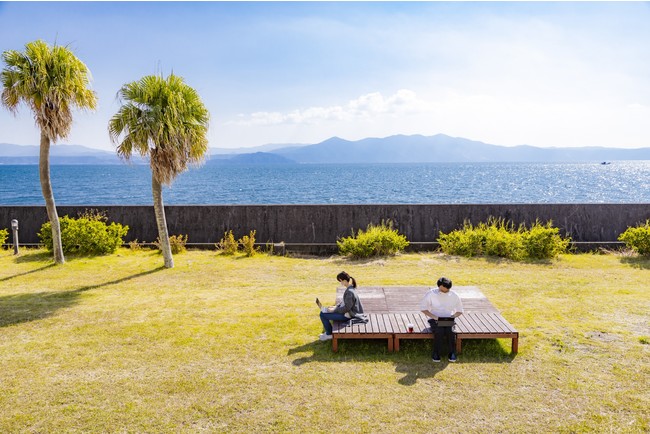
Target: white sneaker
{"points": [[325, 337]]}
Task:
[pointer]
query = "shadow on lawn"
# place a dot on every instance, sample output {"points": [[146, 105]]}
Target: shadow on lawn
{"points": [[16, 309], [413, 360], [4, 279], [637, 262], [34, 256]]}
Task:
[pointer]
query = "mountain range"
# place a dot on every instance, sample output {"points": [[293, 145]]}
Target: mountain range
{"points": [[394, 149]]}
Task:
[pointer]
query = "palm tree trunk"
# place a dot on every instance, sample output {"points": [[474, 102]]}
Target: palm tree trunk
{"points": [[159, 210], [46, 187]]}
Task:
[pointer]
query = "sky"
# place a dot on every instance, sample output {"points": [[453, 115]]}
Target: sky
{"points": [[546, 74]]}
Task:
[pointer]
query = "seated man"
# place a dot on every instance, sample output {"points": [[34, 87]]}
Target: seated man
{"points": [[442, 305]]}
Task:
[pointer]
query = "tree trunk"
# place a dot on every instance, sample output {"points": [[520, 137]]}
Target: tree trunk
{"points": [[159, 210], [46, 187]]}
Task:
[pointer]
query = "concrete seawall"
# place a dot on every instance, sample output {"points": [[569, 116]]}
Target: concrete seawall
{"points": [[321, 225]]}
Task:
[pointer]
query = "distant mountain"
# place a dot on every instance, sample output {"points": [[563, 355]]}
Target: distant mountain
{"points": [[254, 158], [9, 150], [394, 149], [60, 154], [442, 148], [263, 148]]}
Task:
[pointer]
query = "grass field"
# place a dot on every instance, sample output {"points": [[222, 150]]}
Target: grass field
{"points": [[222, 344]]}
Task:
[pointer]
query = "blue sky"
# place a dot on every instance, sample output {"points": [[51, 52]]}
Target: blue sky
{"points": [[507, 73]]}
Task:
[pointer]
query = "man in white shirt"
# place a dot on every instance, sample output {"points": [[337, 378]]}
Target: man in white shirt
{"points": [[442, 304]]}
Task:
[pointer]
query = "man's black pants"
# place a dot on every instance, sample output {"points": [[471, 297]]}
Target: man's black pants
{"points": [[440, 333]]}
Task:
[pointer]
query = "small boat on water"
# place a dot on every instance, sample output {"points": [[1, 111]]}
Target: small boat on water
{"points": [[606, 162]]}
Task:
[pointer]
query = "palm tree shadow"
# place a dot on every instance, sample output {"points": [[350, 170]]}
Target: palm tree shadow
{"points": [[21, 308], [31, 256], [4, 279]]}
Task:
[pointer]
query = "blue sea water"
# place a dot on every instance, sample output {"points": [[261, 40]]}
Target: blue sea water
{"points": [[431, 183]]}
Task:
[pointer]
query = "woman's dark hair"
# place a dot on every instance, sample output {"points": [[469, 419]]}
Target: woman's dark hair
{"points": [[443, 281], [345, 276]]}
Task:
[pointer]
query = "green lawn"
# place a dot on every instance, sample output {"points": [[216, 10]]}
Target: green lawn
{"points": [[222, 344]]}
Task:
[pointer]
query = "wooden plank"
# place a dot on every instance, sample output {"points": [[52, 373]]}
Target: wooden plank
{"points": [[423, 322], [393, 322], [461, 324], [496, 323], [380, 324], [505, 324], [470, 322]]}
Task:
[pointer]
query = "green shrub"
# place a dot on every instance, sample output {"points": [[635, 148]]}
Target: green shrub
{"points": [[248, 244], [89, 234], [544, 241], [501, 239], [380, 240], [176, 242], [468, 241], [4, 234], [227, 245], [637, 238]]}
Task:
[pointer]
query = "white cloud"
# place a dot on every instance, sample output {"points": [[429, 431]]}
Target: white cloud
{"points": [[366, 107]]}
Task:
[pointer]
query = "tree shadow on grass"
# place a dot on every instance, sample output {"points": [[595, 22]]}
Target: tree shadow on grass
{"points": [[27, 256], [4, 279], [640, 262], [413, 360], [20, 308]]}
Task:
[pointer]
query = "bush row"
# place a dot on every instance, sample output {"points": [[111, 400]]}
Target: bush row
{"points": [[501, 239], [91, 234]]}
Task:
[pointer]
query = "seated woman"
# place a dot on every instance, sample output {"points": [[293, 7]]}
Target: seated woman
{"points": [[350, 307]]}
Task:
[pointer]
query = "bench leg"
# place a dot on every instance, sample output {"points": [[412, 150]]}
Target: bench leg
{"points": [[393, 344], [459, 343], [515, 345], [335, 344]]}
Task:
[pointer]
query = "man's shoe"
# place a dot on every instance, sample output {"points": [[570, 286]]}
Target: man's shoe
{"points": [[325, 337], [435, 358], [452, 357]]}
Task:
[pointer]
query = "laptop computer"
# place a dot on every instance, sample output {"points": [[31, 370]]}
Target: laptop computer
{"points": [[320, 306], [446, 322]]}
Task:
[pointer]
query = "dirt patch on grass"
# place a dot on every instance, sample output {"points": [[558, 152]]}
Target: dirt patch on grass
{"points": [[603, 336]]}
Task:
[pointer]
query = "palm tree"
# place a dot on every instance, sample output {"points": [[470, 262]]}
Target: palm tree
{"points": [[165, 120], [51, 81]]}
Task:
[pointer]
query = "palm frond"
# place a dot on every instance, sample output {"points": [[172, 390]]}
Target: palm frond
{"points": [[51, 81], [164, 118]]}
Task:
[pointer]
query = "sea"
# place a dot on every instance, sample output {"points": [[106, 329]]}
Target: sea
{"points": [[429, 183]]}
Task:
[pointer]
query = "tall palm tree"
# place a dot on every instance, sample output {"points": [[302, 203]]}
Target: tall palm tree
{"points": [[51, 81], [164, 119]]}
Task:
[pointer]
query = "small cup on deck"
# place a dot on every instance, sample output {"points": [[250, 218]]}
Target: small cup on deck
{"points": [[409, 327]]}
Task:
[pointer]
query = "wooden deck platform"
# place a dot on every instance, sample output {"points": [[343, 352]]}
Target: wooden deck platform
{"points": [[392, 308]]}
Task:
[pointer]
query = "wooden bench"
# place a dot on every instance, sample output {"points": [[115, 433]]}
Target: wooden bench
{"points": [[470, 325], [380, 326], [391, 309]]}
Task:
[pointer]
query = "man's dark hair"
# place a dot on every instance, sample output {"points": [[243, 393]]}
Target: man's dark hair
{"points": [[443, 281]]}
